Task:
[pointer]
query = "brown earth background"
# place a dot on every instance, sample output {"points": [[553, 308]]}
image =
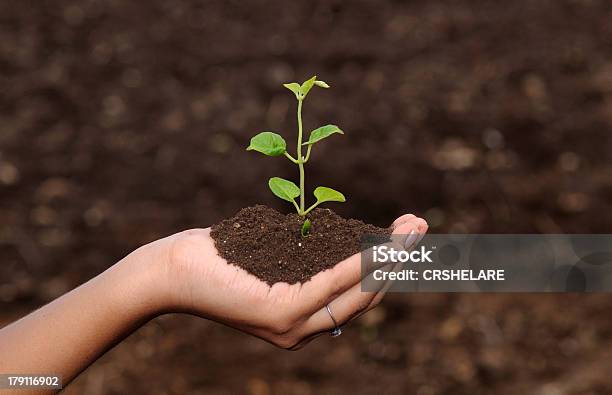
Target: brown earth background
{"points": [[125, 121]]}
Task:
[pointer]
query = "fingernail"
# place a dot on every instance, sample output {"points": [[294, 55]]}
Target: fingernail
{"points": [[412, 237]]}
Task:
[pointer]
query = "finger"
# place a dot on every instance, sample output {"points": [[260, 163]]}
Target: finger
{"points": [[345, 307], [410, 245], [398, 241], [388, 284], [404, 218], [378, 297], [304, 342], [329, 284]]}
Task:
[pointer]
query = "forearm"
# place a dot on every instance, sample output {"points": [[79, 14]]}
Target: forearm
{"points": [[67, 335]]}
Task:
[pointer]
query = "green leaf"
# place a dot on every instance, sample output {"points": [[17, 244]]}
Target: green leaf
{"points": [[295, 88], [321, 133], [284, 189], [325, 194], [268, 143], [307, 85], [321, 84], [306, 228]]}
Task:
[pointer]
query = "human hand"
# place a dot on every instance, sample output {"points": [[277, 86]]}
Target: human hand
{"points": [[195, 279]]}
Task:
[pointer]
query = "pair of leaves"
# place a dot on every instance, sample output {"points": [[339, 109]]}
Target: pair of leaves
{"points": [[272, 144], [288, 191], [300, 91]]}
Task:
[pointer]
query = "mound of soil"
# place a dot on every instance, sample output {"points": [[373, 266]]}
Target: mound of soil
{"points": [[269, 245]]}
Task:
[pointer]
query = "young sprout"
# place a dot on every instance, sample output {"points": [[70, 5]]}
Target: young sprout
{"points": [[306, 228], [272, 144]]}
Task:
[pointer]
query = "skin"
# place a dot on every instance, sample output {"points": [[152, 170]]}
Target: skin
{"points": [[182, 273]]}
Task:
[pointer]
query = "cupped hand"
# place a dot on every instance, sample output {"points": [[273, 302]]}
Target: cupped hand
{"points": [[198, 281]]}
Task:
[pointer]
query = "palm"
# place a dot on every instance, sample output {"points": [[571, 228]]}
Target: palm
{"points": [[232, 286]]}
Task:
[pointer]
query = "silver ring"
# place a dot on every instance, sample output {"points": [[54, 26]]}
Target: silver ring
{"points": [[336, 331]]}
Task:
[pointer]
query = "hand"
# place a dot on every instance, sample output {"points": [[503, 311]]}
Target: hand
{"points": [[196, 280]]}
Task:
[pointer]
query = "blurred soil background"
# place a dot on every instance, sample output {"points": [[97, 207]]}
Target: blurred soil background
{"points": [[122, 122]]}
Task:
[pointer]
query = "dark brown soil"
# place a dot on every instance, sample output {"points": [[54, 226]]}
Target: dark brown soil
{"points": [[269, 244]]}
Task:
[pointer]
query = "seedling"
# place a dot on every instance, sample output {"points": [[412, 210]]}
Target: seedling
{"points": [[272, 144], [306, 227]]}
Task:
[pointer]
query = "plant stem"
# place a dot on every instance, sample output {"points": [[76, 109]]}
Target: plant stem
{"points": [[296, 206], [311, 208], [291, 158], [308, 153], [300, 159]]}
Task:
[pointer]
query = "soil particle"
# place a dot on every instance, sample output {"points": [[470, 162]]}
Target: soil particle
{"points": [[269, 245]]}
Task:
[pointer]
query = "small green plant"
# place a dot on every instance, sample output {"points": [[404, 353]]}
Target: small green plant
{"points": [[272, 144]]}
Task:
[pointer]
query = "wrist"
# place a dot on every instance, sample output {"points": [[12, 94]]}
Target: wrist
{"points": [[139, 282], [169, 272]]}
